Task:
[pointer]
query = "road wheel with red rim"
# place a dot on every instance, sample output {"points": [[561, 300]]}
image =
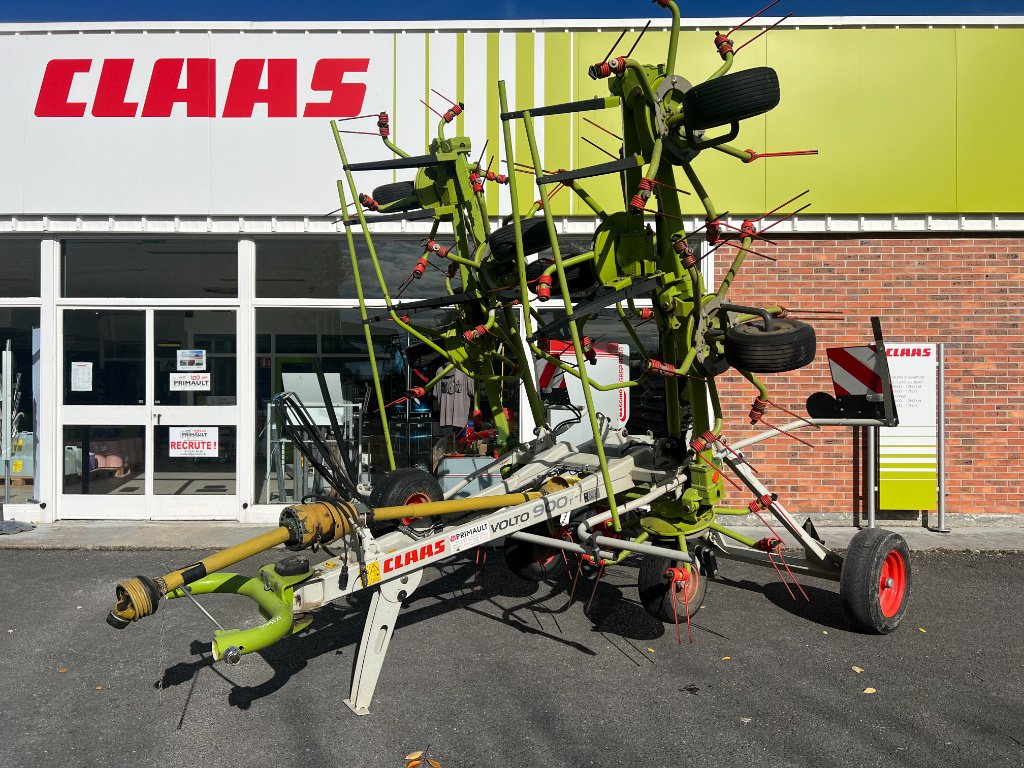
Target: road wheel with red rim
{"points": [[534, 562], [406, 487], [874, 585], [658, 591]]}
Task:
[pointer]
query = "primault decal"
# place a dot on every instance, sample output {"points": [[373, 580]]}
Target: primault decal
{"points": [[198, 88]]}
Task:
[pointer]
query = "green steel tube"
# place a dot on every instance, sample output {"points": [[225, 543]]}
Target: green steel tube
{"points": [[536, 405], [642, 77], [277, 611], [573, 330], [588, 199], [745, 540], [726, 66], [394, 148], [673, 40], [728, 149], [762, 391], [705, 199], [632, 331], [741, 254]]}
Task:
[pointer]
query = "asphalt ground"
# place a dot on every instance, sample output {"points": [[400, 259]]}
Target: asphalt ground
{"points": [[509, 674]]}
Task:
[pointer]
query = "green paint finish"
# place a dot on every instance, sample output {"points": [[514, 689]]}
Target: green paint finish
{"points": [[879, 106], [558, 128], [525, 73], [989, 115], [908, 494]]}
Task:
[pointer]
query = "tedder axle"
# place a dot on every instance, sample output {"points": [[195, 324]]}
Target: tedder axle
{"points": [[301, 526]]}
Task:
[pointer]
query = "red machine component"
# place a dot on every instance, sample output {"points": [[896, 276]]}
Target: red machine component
{"points": [[680, 246], [368, 202], [757, 410], [714, 232], [639, 201], [588, 349], [616, 66], [476, 333], [661, 369], [723, 44], [477, 182], [453, 112], [420, 268], [678, 582], [500, 178], [544, 287], [383, 125], [435, 247]]}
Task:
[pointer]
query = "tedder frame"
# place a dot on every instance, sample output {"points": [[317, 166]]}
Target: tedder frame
{"points": [[613, 494]]}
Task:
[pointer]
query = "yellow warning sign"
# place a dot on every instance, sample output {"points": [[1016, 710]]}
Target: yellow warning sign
{"points": [[17, 465], [372, 573]]}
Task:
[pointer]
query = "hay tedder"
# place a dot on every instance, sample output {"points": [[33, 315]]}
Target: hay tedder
{"points": [[613, 494]]}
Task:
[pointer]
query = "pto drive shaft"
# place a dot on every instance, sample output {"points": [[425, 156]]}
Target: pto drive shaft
{"points": [[301, 526]]}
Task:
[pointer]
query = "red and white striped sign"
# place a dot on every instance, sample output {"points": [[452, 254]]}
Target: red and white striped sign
{"points": [[854, 371]]}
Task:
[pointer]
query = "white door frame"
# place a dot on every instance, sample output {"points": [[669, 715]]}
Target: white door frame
{"points": [[149, 505]]}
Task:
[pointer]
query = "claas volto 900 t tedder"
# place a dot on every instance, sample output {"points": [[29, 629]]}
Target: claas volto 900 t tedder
{"points": [[610, 495]]}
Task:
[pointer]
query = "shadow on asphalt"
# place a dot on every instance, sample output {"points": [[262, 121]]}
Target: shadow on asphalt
{"points": [[458, 585], [820, 606]]}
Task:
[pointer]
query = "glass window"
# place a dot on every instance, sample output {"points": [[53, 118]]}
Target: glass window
{"points": [[150, 269], [295, 338], [20, 328], [104, 460], [194, 359], [194, 461], [104, 357], [20, 259], [322, 269]]}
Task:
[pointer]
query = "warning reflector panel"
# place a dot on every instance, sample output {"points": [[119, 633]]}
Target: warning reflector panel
{"points": [[855, 371]]}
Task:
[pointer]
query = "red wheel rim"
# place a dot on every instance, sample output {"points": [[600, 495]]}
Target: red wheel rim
{"points": [[545, 555], [416, 498], [892, 585]]}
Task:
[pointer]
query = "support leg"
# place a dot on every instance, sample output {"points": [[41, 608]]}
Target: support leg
{"points": [[380, 625]]}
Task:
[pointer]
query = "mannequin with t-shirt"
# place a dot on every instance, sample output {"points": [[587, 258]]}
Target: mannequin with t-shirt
{"points": [[454, 395]]}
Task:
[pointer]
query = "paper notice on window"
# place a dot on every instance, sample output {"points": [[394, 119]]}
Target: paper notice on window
{"points": [[190, 382], [193, 442], [191, 359], [81, 377]]}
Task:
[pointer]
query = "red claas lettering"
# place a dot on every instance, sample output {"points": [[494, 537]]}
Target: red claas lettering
{"points": [[193, 82]]}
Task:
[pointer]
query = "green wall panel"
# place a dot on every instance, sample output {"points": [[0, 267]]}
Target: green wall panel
{"points": [[879, 105], [989, 120]]}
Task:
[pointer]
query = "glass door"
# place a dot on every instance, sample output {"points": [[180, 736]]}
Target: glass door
{"points": [[149, 415]]}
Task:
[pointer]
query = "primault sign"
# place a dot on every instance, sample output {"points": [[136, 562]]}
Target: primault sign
{"points": [[186, 122]]}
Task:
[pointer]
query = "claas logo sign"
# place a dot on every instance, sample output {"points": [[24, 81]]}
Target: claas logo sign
{"points": [[193, 82]]}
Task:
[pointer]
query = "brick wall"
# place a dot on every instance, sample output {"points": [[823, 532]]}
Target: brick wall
{"points": [[965, 291]]}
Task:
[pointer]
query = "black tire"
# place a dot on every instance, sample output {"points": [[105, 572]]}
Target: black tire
{"points": [[874, 584], [535, 239], [731, 98], [390, 193], [788, 346], [406, 486], [534, 562], [582, 278], [656, 595]]}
